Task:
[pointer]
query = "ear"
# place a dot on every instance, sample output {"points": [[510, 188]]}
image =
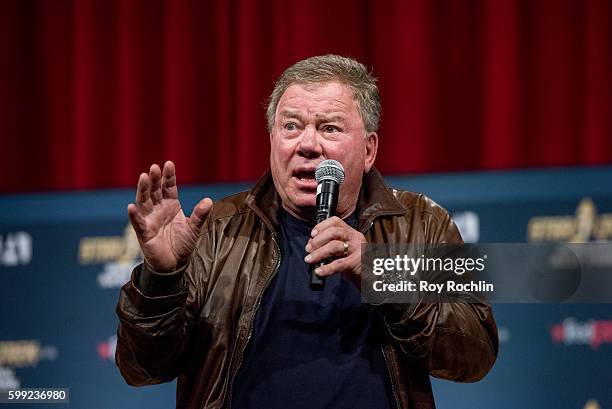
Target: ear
{"points": [[371, 147]]}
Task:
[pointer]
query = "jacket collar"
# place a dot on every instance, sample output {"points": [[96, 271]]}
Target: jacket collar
{"points": [[376, 199]]}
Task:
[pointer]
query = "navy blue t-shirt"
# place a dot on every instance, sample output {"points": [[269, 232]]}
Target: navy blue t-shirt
{"points": [[312, 349]]}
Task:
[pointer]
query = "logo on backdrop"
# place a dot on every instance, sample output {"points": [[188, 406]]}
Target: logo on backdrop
{"points": [[25, 353], [584, 226], [15, 249], [106, 349], [468, 224], [573, 332], [22, 353], [119, 254]]}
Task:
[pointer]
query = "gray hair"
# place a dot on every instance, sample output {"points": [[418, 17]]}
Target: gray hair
{"points": [[326, 68]]}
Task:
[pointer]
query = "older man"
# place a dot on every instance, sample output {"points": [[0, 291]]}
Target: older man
{"points": [[223, 302]]}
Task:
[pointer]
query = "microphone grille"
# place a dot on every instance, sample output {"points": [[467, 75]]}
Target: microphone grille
{"points": [[331, 170]]}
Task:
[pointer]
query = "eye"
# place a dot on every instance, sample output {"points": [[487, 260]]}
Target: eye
{"points": [[331, 129], [290, 126]]}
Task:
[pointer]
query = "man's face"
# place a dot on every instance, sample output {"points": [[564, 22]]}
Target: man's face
{"points": [[314, 123]]}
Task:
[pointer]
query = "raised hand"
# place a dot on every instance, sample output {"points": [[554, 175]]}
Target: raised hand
{"points": [[167, 237]]}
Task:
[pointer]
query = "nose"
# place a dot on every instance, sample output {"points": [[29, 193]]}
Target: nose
{"points": [[309, 145]]}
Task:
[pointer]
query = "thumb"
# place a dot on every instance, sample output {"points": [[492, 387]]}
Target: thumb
{"points": [[199, 213], [138, 222]]}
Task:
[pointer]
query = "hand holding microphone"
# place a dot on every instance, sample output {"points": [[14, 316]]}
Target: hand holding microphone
{"points": [[334, 245]]}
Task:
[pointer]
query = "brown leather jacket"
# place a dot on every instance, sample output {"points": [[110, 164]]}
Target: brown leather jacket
{"points": [[195, 323]]}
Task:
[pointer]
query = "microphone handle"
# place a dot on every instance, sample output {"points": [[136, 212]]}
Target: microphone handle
{"points": [[327, 202]]}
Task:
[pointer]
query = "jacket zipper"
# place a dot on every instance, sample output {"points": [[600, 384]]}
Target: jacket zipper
{"points": [[255, 308], [397, 405], [391, 379]]}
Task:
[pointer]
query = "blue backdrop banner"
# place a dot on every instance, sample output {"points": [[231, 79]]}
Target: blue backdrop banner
{"points": [[64, 256]]}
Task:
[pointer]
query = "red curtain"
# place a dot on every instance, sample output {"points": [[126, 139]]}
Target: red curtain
{"points": [[92, 92]]}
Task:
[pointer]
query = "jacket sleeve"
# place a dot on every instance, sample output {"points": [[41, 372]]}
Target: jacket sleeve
{"points": [[156, 316], [456, 341]]}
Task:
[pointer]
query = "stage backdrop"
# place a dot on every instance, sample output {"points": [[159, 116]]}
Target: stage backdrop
{"points": [[64, 256], [93, 91]]}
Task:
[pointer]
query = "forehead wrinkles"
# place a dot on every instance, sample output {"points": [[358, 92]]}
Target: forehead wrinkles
{"points": [[323, 109], [332, 93], [294, 101]]}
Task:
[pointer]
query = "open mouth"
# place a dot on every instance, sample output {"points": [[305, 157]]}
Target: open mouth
{"points": [[304, 175], [306, 179]]}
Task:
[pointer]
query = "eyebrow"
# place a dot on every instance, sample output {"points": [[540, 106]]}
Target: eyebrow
{"points": [[290, 114], [333, 118], [319, 117]]}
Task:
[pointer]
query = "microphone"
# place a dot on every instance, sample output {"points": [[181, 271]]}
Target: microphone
{"points": [[329, 175]]}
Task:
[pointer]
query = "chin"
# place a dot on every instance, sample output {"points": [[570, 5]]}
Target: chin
{"points": [[302, 197], [303, 203]]}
